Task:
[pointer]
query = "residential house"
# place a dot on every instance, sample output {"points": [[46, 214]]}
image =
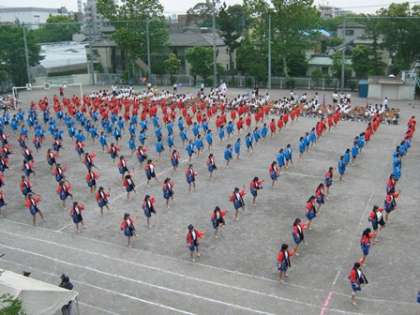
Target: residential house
{"points": [[179, 42]]}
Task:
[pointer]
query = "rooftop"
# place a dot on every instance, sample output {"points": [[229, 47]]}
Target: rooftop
{"points": [[63, 54], [192, 39]]}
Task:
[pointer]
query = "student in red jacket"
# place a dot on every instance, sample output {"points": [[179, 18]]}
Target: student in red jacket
{"points": [[193, 235], [255, 185], [366, 242], [218, 219], [274, 171], [310, 211], [320, 195], [122, 166], [102, 198], [237, 198], [190, 175], [91, 178], [357, 278], [298, 234], [272, 127], [76, 214], [127, 226], [283, 261], [64, 191], [2, 202], [129, 185], [32, 203], [376, 218], [328, 179], [148, 208]]}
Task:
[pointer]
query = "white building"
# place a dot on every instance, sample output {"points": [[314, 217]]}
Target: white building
{"points": [[328, 11], [29, 15]]}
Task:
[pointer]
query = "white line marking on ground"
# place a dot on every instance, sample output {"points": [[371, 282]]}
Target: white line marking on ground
{"points": [[164, 270], [105, 290], [172, 258], [336, 277], [126, 279], [97, 308]]}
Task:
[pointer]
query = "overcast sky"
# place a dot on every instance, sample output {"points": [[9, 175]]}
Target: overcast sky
{"points": [[180, 6]]}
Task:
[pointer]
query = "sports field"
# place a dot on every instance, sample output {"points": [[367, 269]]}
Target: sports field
{"points": [[236, 273]]}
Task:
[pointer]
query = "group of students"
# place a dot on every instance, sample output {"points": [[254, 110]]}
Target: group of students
{"points": [[115, 126], [314, 204], [379, 216]]}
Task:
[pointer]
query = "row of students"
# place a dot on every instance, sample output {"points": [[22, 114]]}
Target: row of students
{"points": [[378, 216], [312, 208]]}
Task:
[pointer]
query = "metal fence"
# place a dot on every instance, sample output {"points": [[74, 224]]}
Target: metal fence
{"points": [[235, 81]]}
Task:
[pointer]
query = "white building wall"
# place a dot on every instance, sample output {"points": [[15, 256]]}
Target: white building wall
{"points": [[25, 16]]}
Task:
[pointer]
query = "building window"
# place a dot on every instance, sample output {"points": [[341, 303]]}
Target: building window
{"points": [[349, 32]]}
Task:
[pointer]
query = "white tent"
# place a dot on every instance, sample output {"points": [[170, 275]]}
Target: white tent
{"points": [[38, 297]]}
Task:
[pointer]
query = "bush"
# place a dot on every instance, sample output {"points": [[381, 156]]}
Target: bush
{"points": [[10, 305]]}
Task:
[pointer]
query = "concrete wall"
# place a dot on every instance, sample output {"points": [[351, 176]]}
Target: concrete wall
{"points": [[393, 92]]}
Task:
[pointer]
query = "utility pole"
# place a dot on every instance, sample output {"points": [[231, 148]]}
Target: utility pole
{"points": [[149, 63], [343, 56], [269, 53], [214, 44], [25, 43]]}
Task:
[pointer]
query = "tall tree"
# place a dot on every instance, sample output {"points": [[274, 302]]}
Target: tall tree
{"points": [[361, 61], [201, 61], [200, 14], [401, 32], [172, 65], [12, 53], [57, 29], [373, 31], [292, 25], [232, 22], [251, 59], [130, 19]]}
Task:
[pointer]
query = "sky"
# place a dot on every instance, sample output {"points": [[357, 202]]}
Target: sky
{"points": [[180, 6]]}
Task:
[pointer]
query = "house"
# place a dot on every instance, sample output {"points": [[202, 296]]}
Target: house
{"points": [[324, 64], [350, 31], [179, 42]]}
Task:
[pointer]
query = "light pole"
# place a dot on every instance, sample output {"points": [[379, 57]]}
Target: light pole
{"points": [[149, 62], [25, 43], [269, 53], [214, 44], [343, 56]]}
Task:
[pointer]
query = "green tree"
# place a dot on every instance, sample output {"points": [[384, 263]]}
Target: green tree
{"points": [[373, 32], [57, 29], [361, 61], [336, 68], [131, 19], [200, 14], [201, 61], [12, 53], [172, 65], [401, 36], [232, 21], [292, 24], [251, 59], [11, 306]]}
